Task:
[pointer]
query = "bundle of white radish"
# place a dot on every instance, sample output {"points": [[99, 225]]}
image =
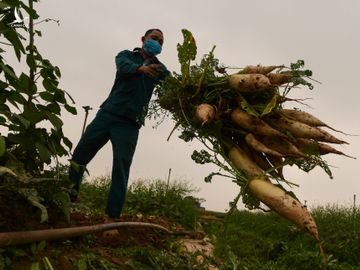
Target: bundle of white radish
{"points": [[242, 119]]}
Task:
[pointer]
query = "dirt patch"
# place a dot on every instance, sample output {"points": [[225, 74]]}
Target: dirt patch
{"points": [[16, 213], [66, 253]]}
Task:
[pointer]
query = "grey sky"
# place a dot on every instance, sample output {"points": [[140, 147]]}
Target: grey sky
{"points": [[326, 34]]}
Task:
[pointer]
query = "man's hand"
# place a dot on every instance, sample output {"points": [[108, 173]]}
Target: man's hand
{"points": [[152, 70]]}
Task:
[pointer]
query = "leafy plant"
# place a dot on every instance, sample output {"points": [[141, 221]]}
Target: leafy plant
{"points": [[31, 103], [30, 100]]}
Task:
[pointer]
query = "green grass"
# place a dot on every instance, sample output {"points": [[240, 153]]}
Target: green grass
{"points": [[147, 197], [248, 240], [243, 240]]}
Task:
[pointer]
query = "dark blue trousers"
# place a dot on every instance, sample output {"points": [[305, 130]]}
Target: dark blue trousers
{"points": [[123, 135]]}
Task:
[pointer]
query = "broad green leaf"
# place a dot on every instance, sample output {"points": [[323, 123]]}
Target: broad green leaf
{"points": [[271, 105], [57, 71], [12, 36], [12, 3], [70, 109], [17, 97], [44, 153], [33, 197], [18, 138], [49, 85], [23, 83], [7, 70], [47, 96], [2, 146], [59, 96], [186, 53], [246, 106], [32, 12], [3, 85], [30, 60], [56, 121], [54, 108], [36, 114], [24, 122], [67, 142]]}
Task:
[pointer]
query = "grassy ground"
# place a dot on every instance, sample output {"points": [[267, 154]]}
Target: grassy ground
{"points": [[243, 240]]}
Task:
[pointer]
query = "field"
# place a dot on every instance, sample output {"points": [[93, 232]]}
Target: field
{"points": [[241, 240]]}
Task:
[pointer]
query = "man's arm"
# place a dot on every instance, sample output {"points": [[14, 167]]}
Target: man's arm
{"points": [[124, 64]]}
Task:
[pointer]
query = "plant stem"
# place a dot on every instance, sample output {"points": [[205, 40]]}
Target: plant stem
{"points": [[32, 70]]}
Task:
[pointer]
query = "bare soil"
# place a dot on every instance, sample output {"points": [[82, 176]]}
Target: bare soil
{"points": [[63, 254]]}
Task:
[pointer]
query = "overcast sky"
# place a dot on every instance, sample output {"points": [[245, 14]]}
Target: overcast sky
{"points": [[326, 34]]}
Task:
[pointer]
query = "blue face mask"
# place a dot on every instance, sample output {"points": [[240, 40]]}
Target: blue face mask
{"points": [[152, 47]]}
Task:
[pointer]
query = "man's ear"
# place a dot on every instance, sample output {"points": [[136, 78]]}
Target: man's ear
{"points": [[143, 39]]}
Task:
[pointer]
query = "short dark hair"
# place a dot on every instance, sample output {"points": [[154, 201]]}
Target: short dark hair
{"points": [[152, 29]]}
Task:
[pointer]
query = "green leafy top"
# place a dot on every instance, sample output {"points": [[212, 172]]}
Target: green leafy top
{"points": [[186, 54]]}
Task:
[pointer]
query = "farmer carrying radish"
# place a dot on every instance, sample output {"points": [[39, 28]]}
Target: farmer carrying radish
{"points": [[120, 117]]}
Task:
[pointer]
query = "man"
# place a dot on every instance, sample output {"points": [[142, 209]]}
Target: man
{"points": [[121, 116]]}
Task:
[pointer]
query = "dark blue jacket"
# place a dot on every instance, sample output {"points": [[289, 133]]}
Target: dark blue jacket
{"points": [[131, 93]]}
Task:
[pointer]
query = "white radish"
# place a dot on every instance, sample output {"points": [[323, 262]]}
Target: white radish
{"points": [[205, 113], [249, 82]]}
